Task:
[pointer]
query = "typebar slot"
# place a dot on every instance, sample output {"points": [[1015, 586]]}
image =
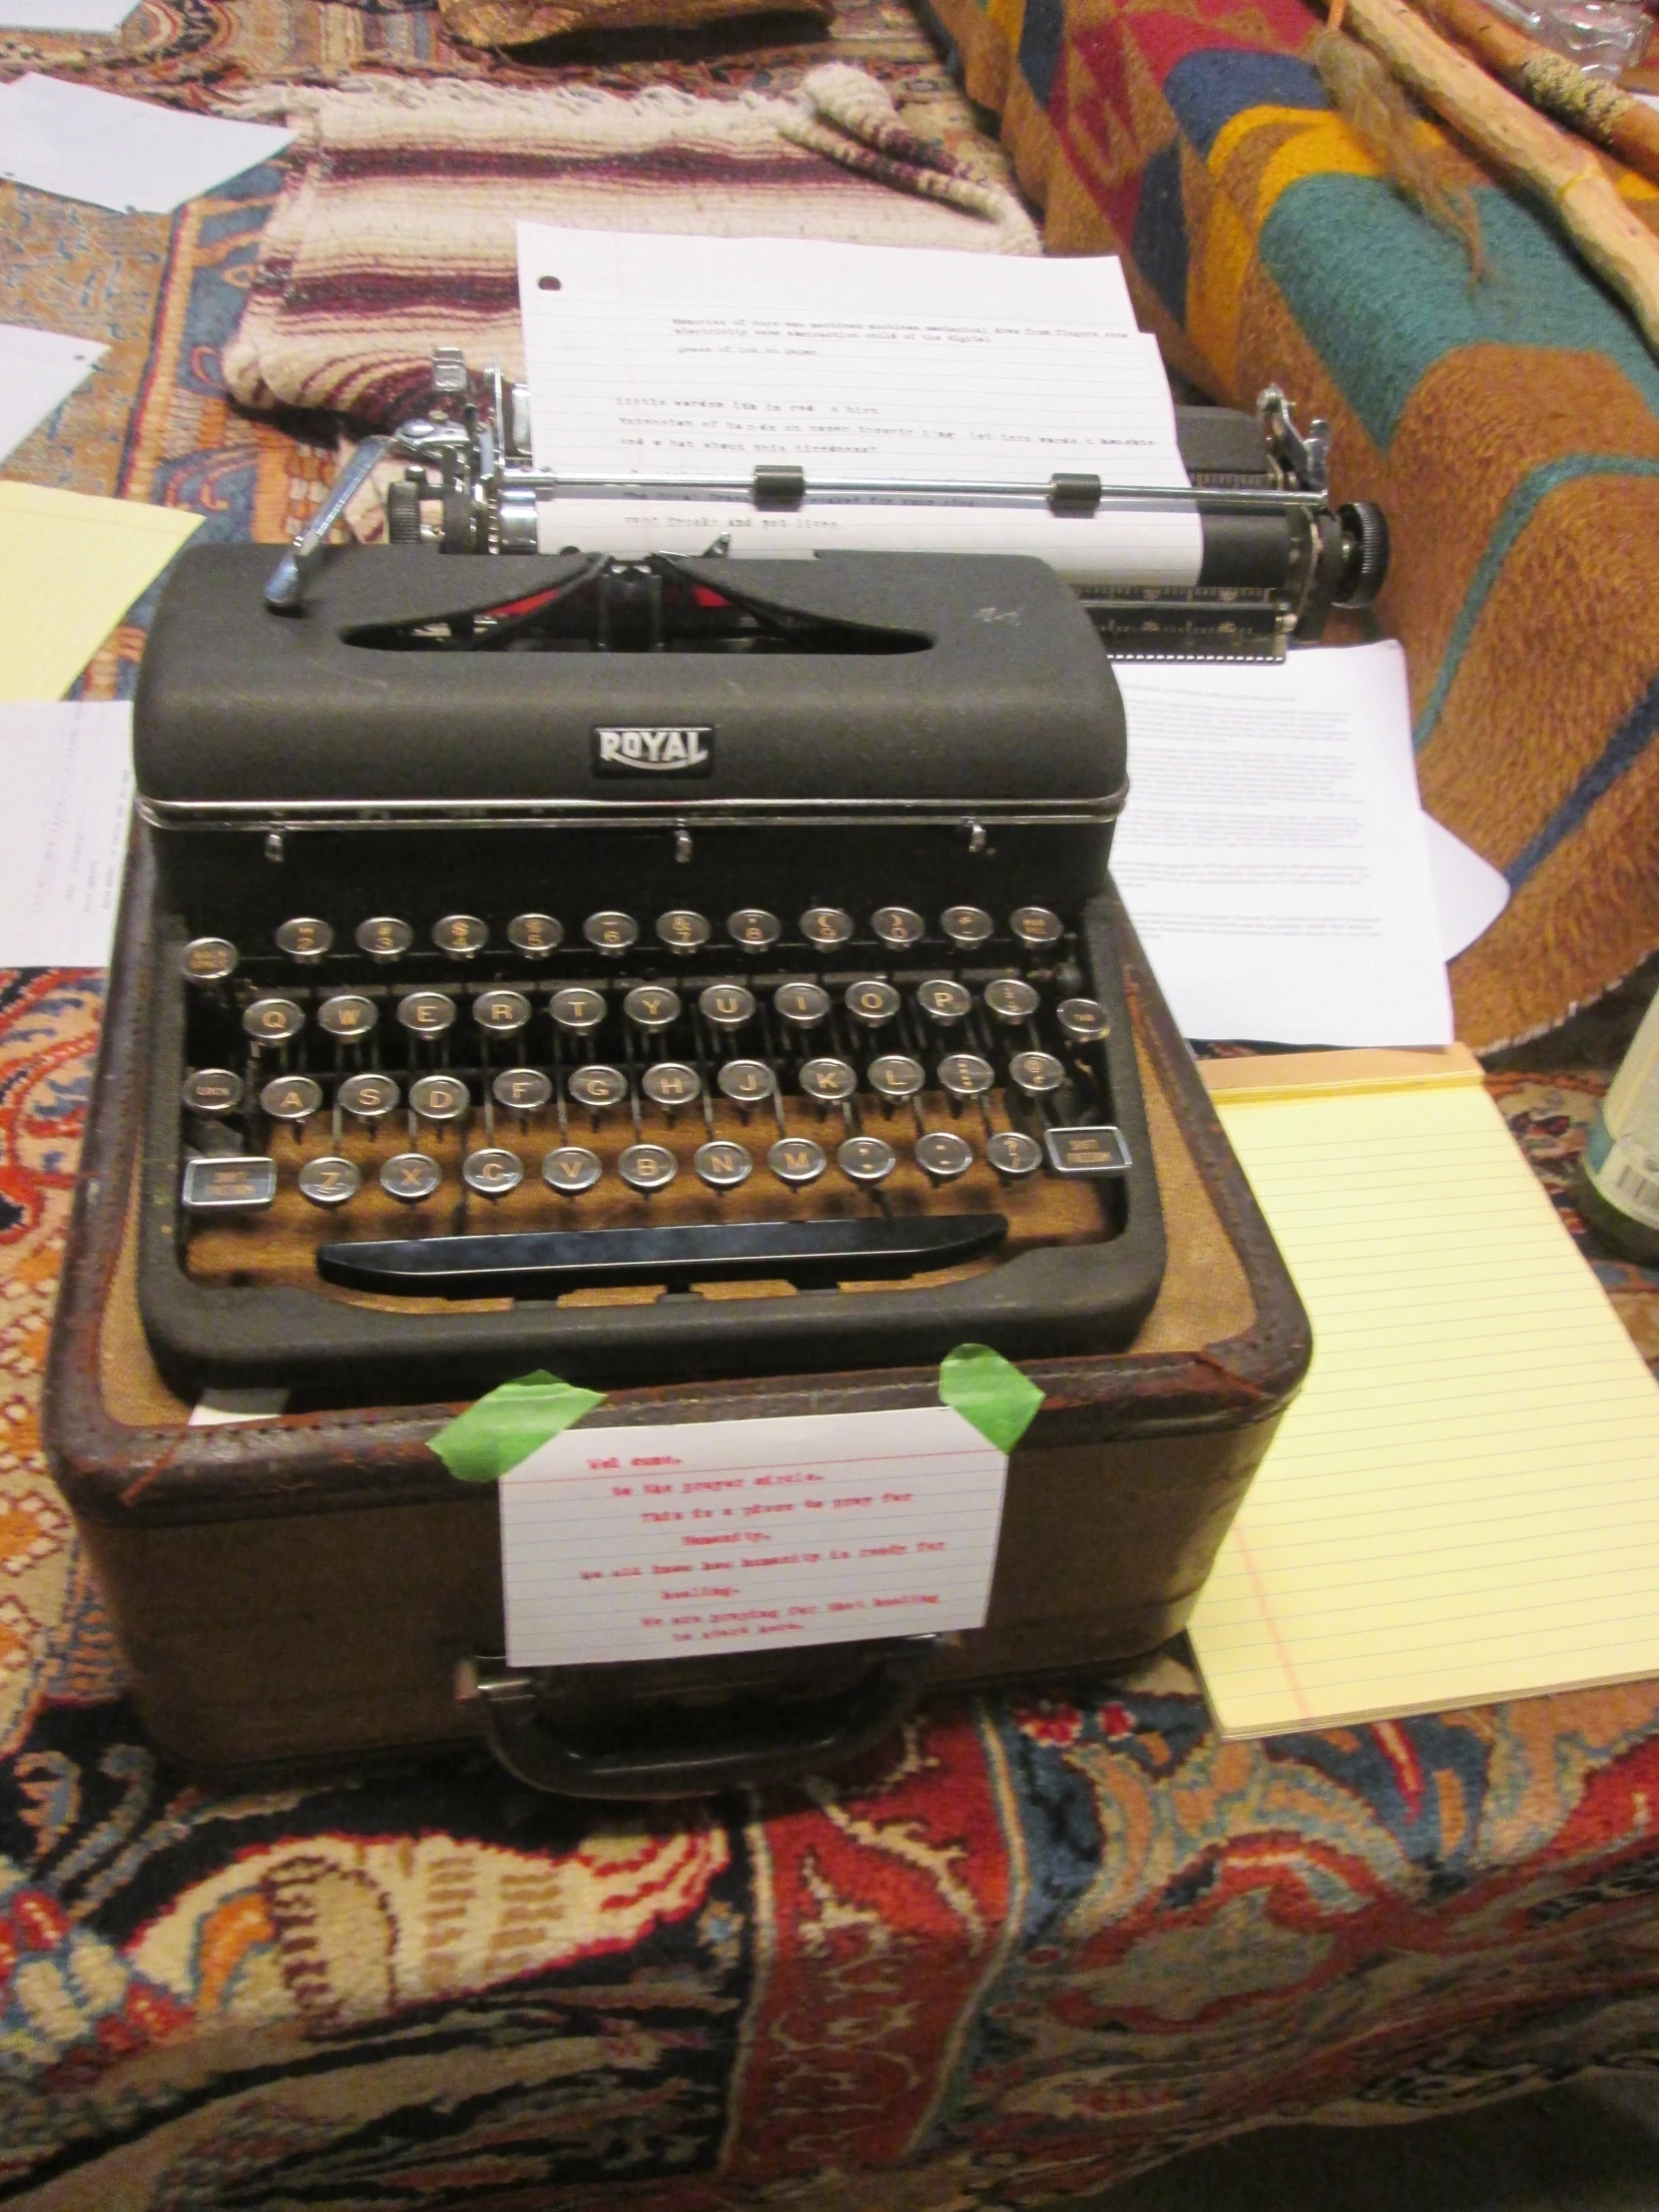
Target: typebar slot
{"points": [[549, 1262]]}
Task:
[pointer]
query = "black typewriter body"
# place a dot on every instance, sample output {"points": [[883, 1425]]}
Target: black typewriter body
{"points": [[648, 970]]}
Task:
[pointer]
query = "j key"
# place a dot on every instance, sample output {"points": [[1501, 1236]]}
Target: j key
{"points": [[212, 1091], [1013, 1155], [304, 939], [827, 1082], [460, 936], [535, 936], [647, 1167], [965, 1075], [411, 1177], [492, 1171], [967, 928], [827, 926], [895, 1077], [610, 932], [801, 1006], [577, 1009], [347, 1017], [208, 959], [747, 1083], [870, 1003], [1035, 1073], [727, 1006], [329, 1182], [898, 927], [722, 1164], [440, 1098], [234, 1183], [292, 1098], [368, 1098], [682, 930], [1012, 1000], [652, 1007], [944, 1002], [384, 937], [521, 1090], [1036, 926], [866, 1161], [501, 1014], [273, 1020], [797, 1161], [672, 1085], [942, 1155], [427, 1013], [1098, 1149], [1083, 1019], [597, 1087], [753, 929], [570, 1170]]}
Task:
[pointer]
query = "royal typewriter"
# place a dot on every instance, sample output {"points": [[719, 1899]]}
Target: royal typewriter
{"points": [[656, 968]]}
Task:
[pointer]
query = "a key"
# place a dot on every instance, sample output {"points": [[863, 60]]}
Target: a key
{"points": [[722, 1164], [753, 929], [1036, 928], [306, 938], [797, 1161], [727, 1007], [866, 1161], [521, 1090], [827, 927], [208, 961], [647, 1167], [1013, 1155], [273, 1020], [492, 1171], [967, 928], [411, 1177], [440, 1099], [1011, 1000], [895, 1077], [942, 1155], [944, 1001], [502, 1012], [427, 1013], [672, 1085], [230, 1183], [384, 937], [964, 1076], [292, 1099], [827, 1082], [898, 927], [1035, 1074], [571, 1169], [682, 930], [747, 1083], [369, 1098], [330, 1181], [535, 936], [610, 932], [576, 1009], [212, 1091], [801, 1006], [347, 1017], [597, 1087], [871, 1004], [652, 1007], [1083, 1019], [462, 936]]}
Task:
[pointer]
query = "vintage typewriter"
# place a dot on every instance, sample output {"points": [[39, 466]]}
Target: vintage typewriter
{"points": [[654, 968]]}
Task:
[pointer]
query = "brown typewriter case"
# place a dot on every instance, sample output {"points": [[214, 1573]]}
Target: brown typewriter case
{"points": [[306, 1588]]}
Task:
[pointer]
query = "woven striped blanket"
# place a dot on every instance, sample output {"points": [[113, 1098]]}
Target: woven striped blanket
{"points": [[1510, 429]]}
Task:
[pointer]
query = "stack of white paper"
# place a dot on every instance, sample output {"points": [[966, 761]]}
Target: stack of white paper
{"points": [[123, 154], [37, 371]]}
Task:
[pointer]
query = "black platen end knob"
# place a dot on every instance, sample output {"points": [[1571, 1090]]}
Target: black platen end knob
{"points": [[402, 514], [1364, 557]]}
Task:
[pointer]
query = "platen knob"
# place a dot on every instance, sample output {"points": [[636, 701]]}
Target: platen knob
{"points": [[1365, 558]]}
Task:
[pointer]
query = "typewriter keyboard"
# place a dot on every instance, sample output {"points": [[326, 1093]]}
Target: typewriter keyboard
{"points": [[605, 1108]]}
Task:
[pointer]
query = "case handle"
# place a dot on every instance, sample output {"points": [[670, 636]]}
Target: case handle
{"points": [[766, 1743]]}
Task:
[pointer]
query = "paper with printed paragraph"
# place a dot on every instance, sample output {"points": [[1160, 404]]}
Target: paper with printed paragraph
{"points": [[702, 1537], [1462, 1504]]}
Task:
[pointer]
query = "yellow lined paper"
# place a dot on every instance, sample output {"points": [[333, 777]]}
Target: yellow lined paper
{"points": [[70, 567], [1462, 1504]]}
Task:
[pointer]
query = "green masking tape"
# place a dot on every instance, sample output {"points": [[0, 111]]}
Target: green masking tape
{"points": [[990, 1392], [505, 1426]]}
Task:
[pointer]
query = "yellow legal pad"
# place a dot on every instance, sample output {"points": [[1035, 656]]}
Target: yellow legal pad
{"points": [[70, 567], [1462, 1504]]}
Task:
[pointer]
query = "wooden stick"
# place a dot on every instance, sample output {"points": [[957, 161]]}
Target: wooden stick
{"points": [[1560, 170], [1550, 81]]}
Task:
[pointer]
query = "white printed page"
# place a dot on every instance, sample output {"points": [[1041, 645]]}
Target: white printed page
{"points": [[1271, 853], [66, 797], [703, 1537], [37, 371], [84, 144]]}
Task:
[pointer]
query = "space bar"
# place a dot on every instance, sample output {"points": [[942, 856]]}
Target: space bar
{"points": [[547, 1263]]}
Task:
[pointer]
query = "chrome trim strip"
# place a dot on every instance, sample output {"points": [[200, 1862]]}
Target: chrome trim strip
{"points": [[597, 813]]}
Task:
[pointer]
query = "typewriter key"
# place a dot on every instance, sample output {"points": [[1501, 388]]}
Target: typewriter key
{"points": [[427, 1013], [944, 1002], [898, 927], [493, 1172], [1082, 1019], [965, 1075], [1014, 1155], [610, 932], [411, 1177], [670, 1084], [273, 1020], [304, 939], [648, 1167], [212, 1091], [440, 1099], [570, 1170], [234, 1183], [967, 928], [827, 1082], [722, 1164], [872, 1003], [801, 1006], [294, 1098], [753, 929], [330, 1181], [683, 932], [501, 1014], [535, 936], [384, 937], [521, 1090], [460, 936], [1012, 1000], [577, 1009], [895, 1077], [747, 1083], [797, 1161], [1096, 1150], [652, 1007], [942, 1155], [867, 1160], [347, 1017], [727, 1006], [368, 1098], [597, 1087], [827, 926], [1035, 1073], [1036, 926], [208, 959]]}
